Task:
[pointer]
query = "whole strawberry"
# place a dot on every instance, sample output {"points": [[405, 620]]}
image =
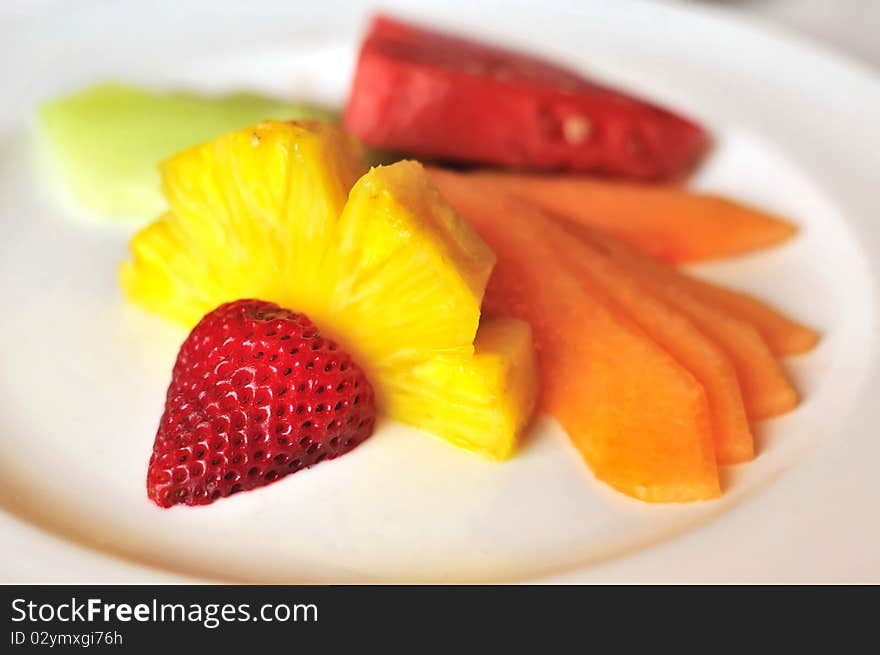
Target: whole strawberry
{"points": [[256, 394]]}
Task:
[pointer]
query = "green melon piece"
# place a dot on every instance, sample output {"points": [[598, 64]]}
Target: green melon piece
{"points": [[104, 143]]}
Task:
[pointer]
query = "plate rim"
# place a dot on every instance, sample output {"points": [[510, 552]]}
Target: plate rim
{"points": [[662, 562]]}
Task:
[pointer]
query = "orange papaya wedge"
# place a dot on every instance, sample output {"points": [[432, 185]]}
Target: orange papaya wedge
{"points": [[638, 417], [674, 330], [766, 389], [669, 222], [784, 335]]}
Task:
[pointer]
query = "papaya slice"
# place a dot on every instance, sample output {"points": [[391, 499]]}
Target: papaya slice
{"points": [[674, 331], [668, 222], [638, 417], [625, 292], [784, 335], [766, 390]]}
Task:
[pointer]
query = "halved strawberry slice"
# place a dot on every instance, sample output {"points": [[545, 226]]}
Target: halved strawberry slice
{"points": [[439, 96], [256, 394]]}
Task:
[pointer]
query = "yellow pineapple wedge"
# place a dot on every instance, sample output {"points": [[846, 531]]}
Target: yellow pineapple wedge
{"points": [[477, 402], [285, 212]]}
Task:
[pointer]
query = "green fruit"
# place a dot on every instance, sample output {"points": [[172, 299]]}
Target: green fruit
{"points": [[105, 142]]}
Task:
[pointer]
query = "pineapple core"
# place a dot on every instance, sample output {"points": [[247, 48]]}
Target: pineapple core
{"points": [[285, 212]]}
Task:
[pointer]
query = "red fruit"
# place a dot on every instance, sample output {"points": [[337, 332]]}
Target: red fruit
{"points": [[256, 394], [434, 95]]}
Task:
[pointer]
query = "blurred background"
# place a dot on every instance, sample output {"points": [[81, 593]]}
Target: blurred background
{"points": [[850, 26]]}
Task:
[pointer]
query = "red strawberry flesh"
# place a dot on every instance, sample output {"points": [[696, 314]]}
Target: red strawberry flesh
{"points": [[256, 394]]}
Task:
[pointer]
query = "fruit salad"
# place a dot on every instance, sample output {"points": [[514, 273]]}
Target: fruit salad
{"points": [[323, 293], [285, 212]]}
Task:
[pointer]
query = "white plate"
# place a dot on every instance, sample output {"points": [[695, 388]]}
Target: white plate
{"points": [[82, 375]]}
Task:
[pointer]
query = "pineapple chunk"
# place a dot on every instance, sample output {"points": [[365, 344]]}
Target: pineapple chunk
{"points": [[381, 263], [480, 403], [251, 213], [405, 276]]}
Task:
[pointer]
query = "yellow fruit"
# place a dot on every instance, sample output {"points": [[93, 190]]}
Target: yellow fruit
{"points": [[250, 212], [379, 261], [404, 275], [477, 402]]}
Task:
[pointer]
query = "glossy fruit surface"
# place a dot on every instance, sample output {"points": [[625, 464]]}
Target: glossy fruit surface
{"points": [[256, 394], [285, 212], [436, 95]]}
